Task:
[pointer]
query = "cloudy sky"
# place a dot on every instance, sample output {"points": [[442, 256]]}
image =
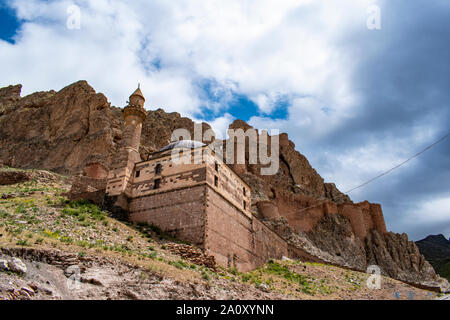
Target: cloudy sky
{"points": [[355, 100]]}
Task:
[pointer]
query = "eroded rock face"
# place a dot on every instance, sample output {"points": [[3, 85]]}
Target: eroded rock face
{"points": [[60, 131], [295, 174], [401, 259]]}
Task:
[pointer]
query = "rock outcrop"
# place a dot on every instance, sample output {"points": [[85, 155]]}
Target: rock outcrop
{"points": [[60, 131]]}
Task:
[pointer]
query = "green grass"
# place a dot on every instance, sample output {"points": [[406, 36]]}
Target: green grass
{"points": [[283, 271], [84, 209], [180, 264]]}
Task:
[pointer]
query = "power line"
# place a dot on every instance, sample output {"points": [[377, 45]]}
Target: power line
{"points": [[401, 164], [384, 173]]}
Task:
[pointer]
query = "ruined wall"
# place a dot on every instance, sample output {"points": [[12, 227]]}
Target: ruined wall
{"points": [[120, 180], [363, 216], [180, 212]]}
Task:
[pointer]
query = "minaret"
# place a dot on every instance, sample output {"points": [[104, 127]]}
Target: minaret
{"points": [[134, 115], [120, 176]]}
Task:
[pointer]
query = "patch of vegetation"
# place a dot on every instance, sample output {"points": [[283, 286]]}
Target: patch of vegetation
{"points": [[281, 270], [83, 209], [23, 243], [180, 264]]}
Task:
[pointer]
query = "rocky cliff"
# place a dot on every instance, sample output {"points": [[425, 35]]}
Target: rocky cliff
{"points": [[76, 131]]}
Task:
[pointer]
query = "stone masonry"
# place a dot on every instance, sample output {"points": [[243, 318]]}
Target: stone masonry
{"points": [[195, 196]]}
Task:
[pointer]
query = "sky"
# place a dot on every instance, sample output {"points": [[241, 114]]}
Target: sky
{"points": [[359, 86]]}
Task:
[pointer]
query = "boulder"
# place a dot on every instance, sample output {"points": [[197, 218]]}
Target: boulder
{"points": [[3, 265], [16, 265]]}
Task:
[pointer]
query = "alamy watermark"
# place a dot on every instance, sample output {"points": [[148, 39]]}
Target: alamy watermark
{"points": [[374, 20], [262, 149], [374, 280], [74, 17], [74, 277]]}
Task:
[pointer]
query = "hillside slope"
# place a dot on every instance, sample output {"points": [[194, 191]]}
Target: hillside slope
{"points": [[58, 242]]}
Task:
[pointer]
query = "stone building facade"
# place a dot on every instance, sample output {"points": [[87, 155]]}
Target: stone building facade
{"points": [[198, 198]]}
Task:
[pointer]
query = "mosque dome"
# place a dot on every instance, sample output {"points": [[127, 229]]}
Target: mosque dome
{"points": [[183, 144]]}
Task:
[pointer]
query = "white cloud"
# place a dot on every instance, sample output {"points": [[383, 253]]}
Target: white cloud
{"points": [[220, 125], [263, 49]]}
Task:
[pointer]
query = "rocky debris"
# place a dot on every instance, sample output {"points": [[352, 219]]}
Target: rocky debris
{"points": [[9, 195], [116, 279], [131, 294], [334, 235], [193, 255], [24, 293]]}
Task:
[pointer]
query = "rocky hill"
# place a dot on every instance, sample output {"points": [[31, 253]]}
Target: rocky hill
{"points": [[76, 130], [436, 249], [52, 248]]}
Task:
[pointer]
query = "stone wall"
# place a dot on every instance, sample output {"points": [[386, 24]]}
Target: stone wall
{"points": [[226, 182], [205, 218], [304, 213], [180, 212], [170, 176], [237, 240]]}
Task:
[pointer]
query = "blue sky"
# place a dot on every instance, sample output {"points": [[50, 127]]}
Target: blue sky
{"points": [[355, 101], [9, 23]]}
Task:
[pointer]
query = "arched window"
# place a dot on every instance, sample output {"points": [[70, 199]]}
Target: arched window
{"points": [[158, 168]]}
